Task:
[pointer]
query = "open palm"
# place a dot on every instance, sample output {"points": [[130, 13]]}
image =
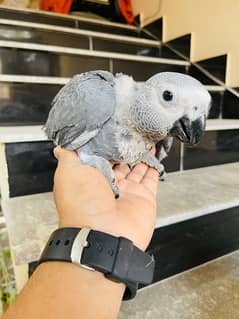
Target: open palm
{"points": [[84, 198]]}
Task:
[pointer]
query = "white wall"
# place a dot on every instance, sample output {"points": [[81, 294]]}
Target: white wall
{"points": [[214, 25]]}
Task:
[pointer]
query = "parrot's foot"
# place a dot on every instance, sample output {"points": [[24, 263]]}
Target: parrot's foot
{"points": [[115, 189], [163, 147], [162, 176], [152, 161], [103, 166]]}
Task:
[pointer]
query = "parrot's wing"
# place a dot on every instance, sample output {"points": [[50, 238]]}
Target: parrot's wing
{"points": [[163, 147], [81, 108]]}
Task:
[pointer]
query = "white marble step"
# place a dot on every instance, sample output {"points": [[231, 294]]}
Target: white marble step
{"points": [[222, 124], [92, 53], [14, 134], [197, 192], [64, 80], [2, 221], [210, 291], [32, 133], [183, 196]]}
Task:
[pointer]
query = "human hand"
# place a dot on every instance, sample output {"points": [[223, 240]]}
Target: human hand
{"points": [[84, 198]]}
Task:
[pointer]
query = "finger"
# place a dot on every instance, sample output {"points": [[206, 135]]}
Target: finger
{"points": [[153, 150], [150, 180], [66, 156], [121, 171], [137, 173]]}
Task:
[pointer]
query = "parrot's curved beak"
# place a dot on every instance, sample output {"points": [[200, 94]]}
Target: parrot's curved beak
{"points": [[188, 131]]}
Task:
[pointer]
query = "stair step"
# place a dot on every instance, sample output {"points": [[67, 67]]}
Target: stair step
{"points": [[2, 221], [15, 134], [84, 39], [31, 97], [63, 80], [72, 21], [32, 27], [32, 133], [222, 124], [209, 291], [47, 60], [182, 197], [75, 51], [197, 192], [215, 88], [30, 144]]}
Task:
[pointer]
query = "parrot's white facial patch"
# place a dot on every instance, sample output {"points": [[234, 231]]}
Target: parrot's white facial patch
{"points": [[197, 103], [181, 95]]}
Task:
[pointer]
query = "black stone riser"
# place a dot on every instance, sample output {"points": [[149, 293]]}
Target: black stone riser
{"points": [[179, 247], [43, 63]]}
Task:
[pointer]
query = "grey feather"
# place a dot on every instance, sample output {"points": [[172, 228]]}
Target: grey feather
{"points": [[81, 108]]}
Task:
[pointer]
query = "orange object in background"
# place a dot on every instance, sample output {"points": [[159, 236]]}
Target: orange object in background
{"points": [[60, 6], [126, 10]]}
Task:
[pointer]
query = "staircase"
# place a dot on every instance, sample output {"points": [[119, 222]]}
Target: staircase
{"points": [[198, 204]]}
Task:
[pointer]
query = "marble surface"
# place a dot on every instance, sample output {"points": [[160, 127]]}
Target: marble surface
{"points": [[184, 195], [222, 124], [193, 193], [13, 134], [30, 221], [207, 292], [9, 134]]}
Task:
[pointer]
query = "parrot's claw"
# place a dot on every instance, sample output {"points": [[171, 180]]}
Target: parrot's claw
{"points": [[115, 189], [152, 161], [104, 167], [162, 175]]}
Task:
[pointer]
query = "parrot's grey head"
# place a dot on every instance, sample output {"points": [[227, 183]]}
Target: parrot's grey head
{"points": [[180, 102]]}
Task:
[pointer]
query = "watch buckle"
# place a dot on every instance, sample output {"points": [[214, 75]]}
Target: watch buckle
{"points": [[80, 242]]}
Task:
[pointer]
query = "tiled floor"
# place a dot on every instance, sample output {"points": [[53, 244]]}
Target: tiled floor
{"points": [[208, 292]]}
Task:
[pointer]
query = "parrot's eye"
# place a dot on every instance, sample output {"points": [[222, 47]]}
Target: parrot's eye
{"points": [[167, 95]]}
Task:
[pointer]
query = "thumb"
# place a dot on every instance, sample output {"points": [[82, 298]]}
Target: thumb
{"points": [[66, 156]]}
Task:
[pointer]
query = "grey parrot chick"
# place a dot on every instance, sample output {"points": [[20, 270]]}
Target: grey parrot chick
{"points": [[105, 117]]}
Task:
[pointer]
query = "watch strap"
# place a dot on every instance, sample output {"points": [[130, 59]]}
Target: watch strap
{"points": [[116, 257]]}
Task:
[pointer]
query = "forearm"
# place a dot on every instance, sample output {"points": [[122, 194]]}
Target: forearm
{"points": [[60, 290]]}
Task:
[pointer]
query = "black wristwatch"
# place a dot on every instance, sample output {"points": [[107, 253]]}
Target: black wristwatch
{"points": [[116, 257]]}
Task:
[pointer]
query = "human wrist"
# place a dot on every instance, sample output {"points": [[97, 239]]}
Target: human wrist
{"points": [[75, 281], [116, 257]]}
